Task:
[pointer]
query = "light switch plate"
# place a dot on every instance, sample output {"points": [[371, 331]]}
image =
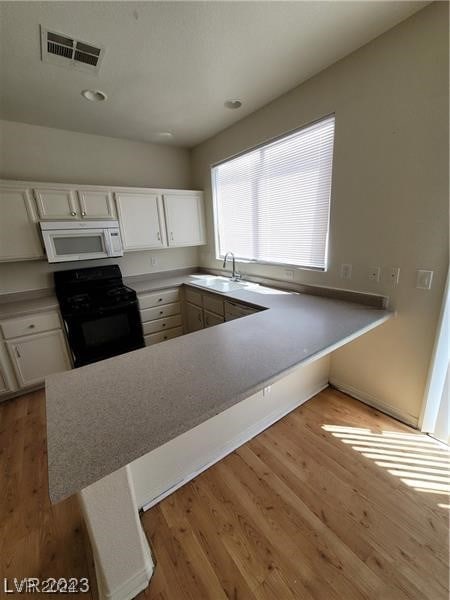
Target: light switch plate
{"points": [[424, 279]]}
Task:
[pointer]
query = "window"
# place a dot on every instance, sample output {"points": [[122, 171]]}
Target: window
{"points": [[272, 203]]}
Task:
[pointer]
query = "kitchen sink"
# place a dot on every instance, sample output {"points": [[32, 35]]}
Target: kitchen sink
{"points": [[220, 284]]}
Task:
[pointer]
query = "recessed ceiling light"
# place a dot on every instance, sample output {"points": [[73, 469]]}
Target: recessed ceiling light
{"points": [[94, 95], [233, 104]]}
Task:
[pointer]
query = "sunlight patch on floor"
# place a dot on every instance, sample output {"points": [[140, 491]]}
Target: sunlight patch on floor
{"points": [[419, 461]]}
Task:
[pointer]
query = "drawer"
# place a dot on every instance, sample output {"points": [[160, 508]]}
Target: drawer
{"points": [[193, 296], [213, 303], [158, 298], [160, 312], [36, 323], [211, 319], [161, 324], [162, 336]]}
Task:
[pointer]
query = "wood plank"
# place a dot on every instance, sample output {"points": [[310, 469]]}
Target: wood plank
{"points": [[294, 513]]}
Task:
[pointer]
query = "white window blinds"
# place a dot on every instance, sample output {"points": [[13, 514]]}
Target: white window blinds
{"points": [[272, 204]]}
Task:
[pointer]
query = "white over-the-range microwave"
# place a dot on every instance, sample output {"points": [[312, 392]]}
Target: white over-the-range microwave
{"points": [[81, 240]]}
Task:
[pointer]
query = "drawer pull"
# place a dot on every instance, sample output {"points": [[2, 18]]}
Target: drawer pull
{"points": [[158, 235], [165, 337], [160, 299], [163, 325], [32, 326], [17, 352], [161, 312]]}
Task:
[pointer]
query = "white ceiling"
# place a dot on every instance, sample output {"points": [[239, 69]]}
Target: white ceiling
{"points": [[171, 65]]}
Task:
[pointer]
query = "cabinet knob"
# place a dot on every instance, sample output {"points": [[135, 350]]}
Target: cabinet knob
{"points": [[83, 213], [165, 337], [73, 213], [163, 325], [32, 326], [17, 352], [159, 299], [161, 312]]}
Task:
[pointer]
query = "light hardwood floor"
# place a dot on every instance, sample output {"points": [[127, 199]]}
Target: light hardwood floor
{"points": [[334, 502]]}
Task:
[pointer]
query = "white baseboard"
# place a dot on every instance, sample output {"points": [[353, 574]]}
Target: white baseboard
{"points": [[400, 415], [238, 441]]}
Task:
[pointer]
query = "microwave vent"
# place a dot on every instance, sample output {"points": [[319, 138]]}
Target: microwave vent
{"points": [[66, 51]]}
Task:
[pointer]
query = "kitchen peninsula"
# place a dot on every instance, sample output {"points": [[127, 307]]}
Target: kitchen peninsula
{"points": [[110, 421]]}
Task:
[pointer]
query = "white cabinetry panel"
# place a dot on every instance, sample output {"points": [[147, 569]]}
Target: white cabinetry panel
{"points": [[194, 317], [96, 204], [141, 219], [185, 218], [57, 203], [19, 235], [36, 356]]}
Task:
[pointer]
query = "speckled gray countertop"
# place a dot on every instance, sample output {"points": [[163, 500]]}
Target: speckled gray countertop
{"points": [[105, 415]]}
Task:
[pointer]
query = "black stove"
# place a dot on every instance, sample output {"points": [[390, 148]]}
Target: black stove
{"points": [[100, 313]]}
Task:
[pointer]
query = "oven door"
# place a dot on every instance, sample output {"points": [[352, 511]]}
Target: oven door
{"points": [[64, 245], [104, 333]]}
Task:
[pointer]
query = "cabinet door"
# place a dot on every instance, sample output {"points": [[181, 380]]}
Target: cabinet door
{"points": [[57, 203], [95, 204], [19, 235], [211, 319], [194, 317], [185, 218], [36, 356], [141, 219]]}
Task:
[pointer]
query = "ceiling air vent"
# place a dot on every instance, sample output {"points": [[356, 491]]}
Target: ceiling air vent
{"points": [[63, 50]]}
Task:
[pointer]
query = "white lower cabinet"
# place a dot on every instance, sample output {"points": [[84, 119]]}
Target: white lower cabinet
{"points": [[210, 319], [161, 316], [208, 309], [194, 317], [3, 383], [36, 356]]}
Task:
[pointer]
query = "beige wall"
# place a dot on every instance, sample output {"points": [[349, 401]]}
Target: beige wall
{"points": [[37, 153], [390, 193]]}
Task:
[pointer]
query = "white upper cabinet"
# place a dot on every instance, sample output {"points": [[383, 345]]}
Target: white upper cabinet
{"points": [[64, 204], [95, 204], [184, 218], [19, 235], [141, 219], [57, 203]]}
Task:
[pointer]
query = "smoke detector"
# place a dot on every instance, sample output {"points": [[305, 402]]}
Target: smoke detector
{"points": [[63, 50]]}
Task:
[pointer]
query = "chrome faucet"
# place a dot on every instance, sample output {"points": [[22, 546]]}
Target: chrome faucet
{"points": [[234, 276]]}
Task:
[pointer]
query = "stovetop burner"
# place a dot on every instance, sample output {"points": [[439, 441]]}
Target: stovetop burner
{"points": [[80, 290]]}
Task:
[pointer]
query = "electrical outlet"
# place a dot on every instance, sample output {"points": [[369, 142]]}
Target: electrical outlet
{"points": [[289, 274], [374, 274], [346, 271], [424, 279], [394, 275], [154, 261]]}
